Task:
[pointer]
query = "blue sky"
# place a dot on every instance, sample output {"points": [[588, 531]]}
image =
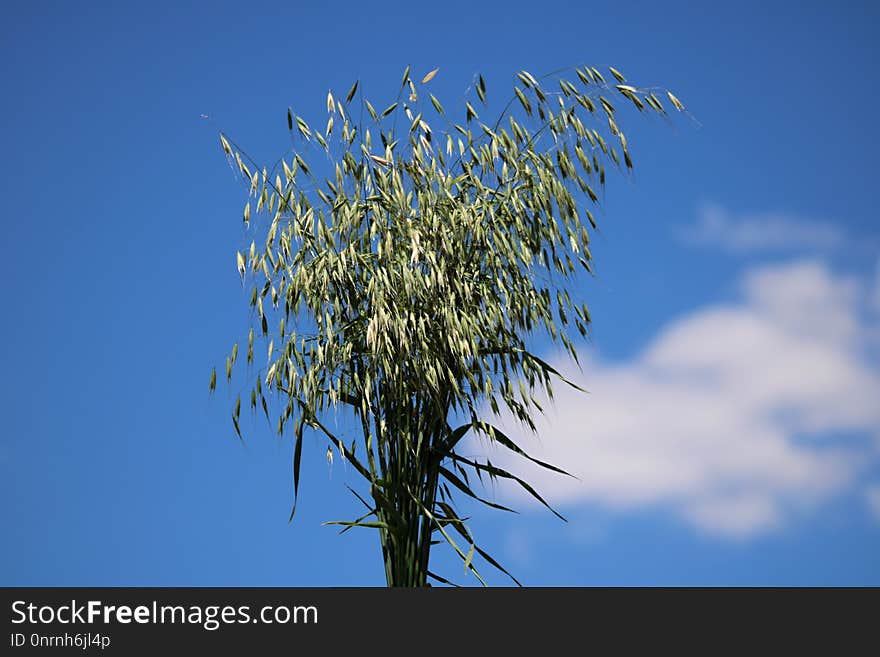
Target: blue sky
{"points": [[731, 436]]}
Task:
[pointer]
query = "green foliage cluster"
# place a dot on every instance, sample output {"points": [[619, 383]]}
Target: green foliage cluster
{"points": [[404, 285]]}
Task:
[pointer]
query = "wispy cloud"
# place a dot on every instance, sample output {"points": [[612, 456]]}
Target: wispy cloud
{"points": [[735, 416], [764, 231]]}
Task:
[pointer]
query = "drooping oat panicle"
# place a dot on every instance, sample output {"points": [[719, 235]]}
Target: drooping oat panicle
{"points": [[404, 277]]}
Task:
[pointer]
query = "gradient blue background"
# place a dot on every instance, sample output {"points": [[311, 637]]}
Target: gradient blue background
{"points": [[120, 293]]}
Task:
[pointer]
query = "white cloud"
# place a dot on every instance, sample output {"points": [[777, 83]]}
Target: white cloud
{"points": [[749, 232], [735, 416]]}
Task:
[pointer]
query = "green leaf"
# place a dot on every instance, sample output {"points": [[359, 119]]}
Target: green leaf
{"points": [[457, 435], [370, 524], [499, 472], [469, 558], [500, 437], [297, 458], [464, 488], [496, 565], [442, 580]]}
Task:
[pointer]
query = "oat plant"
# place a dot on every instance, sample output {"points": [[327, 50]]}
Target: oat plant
{"points": [[407, 258]]}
